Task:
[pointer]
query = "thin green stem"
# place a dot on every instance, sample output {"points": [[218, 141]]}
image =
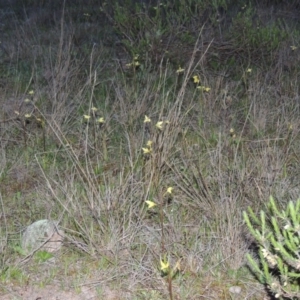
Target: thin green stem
{"points": [[161, 215]]}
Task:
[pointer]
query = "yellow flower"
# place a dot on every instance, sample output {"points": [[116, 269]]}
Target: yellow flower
{"points": [[149, 143], [159, 125], [150, 204], [101, 120], [87, 117], [94, 108], [146, 150], [170, 190], [27, 100], [31, 92], [249, 70], [232, 133], [196, 79], [147, 119], [203, 88], [180, 70], [134, 63], [16, 112], [40, 121], [164, 266], [27, 116], [293, 48]]}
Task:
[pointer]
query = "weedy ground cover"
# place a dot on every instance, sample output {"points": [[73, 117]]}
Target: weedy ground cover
{"points": [[146, 138]]}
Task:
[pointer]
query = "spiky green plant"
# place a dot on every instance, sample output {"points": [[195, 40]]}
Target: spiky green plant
{"points": [[277, 234]]}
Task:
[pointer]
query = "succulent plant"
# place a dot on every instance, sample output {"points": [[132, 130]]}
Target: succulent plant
{"points": [[277, 234]]}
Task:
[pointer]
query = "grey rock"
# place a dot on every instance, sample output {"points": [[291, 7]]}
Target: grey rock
{"points": [[42, 235]]}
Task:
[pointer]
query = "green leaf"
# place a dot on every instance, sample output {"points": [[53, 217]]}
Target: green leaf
{"points": [[249, 225], [276, 229], [253, 216], [273, 206], [255, 268], [292, 213], [42, 256]]}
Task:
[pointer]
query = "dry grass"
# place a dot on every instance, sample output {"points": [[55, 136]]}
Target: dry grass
{"points": [[94, 178]]}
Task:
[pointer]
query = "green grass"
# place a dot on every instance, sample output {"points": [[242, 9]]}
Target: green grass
{"points": [[221, 150]]}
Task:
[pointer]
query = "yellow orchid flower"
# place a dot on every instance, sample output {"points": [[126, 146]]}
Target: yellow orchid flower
{"points": [[150, 204], [159, 125], [149, 143], [180, 70], [196, 79], [146, 150], [203, 88], [101, 120], [87, 117], [164, 266], [170, 190], [147, 119]]}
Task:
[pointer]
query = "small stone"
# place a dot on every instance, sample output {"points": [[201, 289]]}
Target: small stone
{"points": [[42, 235], [235, 289]]}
